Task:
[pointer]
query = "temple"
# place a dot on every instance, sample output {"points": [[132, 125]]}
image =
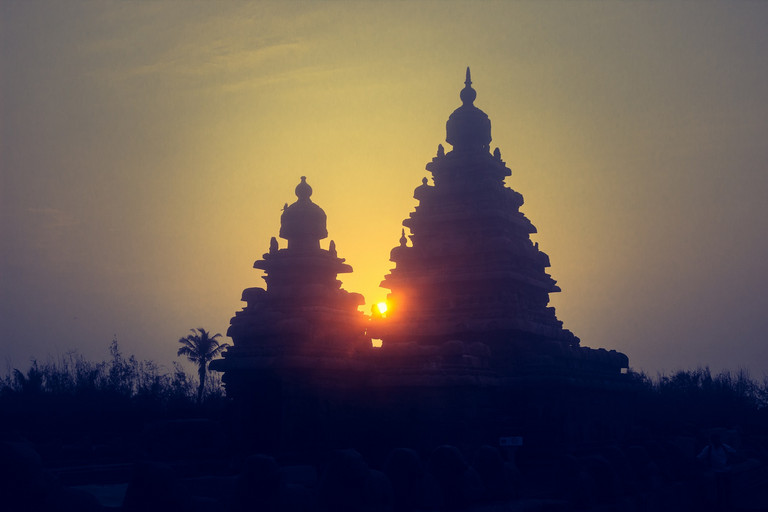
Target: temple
{"points": [[472, 270], [471, 276], [304, 317], [470, 348], [293, 341]]}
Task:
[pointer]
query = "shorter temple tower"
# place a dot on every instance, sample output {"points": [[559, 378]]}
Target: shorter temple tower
{"points": [[295, 343]]}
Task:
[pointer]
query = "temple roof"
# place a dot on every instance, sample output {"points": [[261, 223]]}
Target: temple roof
{"points": [[303, 223], [468, 127]]}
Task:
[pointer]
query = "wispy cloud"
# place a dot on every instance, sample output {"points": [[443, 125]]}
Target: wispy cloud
{"points": [[189, 50], [53, 217]]}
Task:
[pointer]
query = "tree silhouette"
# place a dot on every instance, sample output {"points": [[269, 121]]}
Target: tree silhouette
{"points": [[201, 348]]}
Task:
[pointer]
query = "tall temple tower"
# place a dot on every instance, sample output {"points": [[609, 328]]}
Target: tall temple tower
{"points": [[472, 270], [471, 273], [470, 347]]}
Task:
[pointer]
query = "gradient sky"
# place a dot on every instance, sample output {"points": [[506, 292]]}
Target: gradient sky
{"points": [[147, 149]]}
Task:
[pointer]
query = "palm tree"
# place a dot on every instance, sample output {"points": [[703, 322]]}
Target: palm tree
{"points": [[201, 348]]}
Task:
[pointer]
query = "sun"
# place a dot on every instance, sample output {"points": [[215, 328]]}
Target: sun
{"points": [[382, 307]]}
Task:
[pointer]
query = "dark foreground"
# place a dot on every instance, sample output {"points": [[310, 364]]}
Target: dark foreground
{"points": [[85, 448], [168, 473]]}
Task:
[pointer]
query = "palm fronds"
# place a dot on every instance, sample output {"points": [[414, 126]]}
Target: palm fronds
{"points": [[201, 348]]}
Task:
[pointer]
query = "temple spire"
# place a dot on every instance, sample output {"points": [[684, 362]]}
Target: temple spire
{"points": [[468, 94], [468, 128]]}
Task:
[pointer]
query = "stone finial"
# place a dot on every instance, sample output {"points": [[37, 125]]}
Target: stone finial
{"points": [[332, 248], [497, 154], [403, 239], [468, 128], [303, 222], [303, 190], [440, 150], [273, 245], [468, 94]]}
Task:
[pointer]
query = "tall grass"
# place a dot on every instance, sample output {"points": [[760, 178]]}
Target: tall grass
{"points": [[126, 377], [688, 400], [73, 402]]}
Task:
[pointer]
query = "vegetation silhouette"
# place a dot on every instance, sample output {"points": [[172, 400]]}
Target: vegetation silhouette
{"points": [[69, 421], [72, 375], [201, 348], [69, 406], [32, 382], [121, 416]]}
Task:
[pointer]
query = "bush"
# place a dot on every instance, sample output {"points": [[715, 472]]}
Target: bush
{"points": [[71, 401]]}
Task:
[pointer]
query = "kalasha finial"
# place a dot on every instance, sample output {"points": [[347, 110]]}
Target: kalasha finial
{"points": [[303, 190], [468, 94]]}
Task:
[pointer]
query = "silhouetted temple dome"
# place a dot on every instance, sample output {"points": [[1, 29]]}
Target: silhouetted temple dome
{"points": [[303, 222], [468, 127]]}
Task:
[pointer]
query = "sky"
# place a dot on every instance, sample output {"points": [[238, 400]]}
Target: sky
{"points": [[147, 148]]}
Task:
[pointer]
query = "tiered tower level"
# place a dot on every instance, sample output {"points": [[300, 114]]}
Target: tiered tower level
{"points": [[471, 271]]}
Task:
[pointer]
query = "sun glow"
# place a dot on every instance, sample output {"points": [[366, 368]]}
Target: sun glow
{"points": [[382, 307]]}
